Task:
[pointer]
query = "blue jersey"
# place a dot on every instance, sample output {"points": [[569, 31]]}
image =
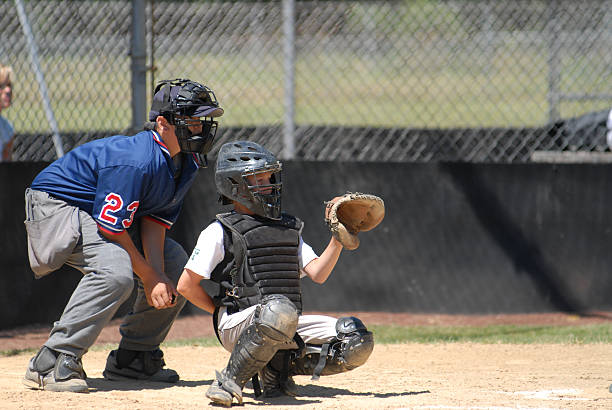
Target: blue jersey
{"points": [[119, 178]]}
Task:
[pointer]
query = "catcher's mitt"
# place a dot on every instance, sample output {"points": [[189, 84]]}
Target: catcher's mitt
{"points": [[351, 213]]}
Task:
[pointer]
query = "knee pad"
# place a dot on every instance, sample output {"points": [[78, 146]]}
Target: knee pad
{"points": [[355, 341], [274, 325], [277, 317]]}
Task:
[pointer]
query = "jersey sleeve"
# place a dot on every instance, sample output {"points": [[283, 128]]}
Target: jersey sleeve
{"points": [[306, 255], [117, 199], [168, 216], [208, 252]]}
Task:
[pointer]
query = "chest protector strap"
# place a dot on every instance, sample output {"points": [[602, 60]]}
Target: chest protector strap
{"points": [[265, 260]]}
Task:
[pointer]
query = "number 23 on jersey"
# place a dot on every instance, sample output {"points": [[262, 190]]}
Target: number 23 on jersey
{"points": [[114, 204]]}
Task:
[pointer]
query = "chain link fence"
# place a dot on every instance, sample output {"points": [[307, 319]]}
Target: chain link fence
{"points": [[427, 80]]}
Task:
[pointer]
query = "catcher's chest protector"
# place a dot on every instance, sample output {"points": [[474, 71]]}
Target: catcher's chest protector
{"points": [[265, 259]]}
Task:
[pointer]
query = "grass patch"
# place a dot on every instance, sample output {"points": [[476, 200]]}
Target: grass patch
{"points": [[17, 352], [385, 334], [502, 334], [414, 88], [200, 342]]}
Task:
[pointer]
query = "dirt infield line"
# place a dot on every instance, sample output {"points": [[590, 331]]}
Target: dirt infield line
{"points": [[413, 376]]}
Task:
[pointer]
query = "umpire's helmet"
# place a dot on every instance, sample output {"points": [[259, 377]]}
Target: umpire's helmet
{"points": [[177, 100], [235, 162]]}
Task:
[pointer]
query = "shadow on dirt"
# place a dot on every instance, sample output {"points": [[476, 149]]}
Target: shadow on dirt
{"points": [[312, 392], [101, 384], [307, 395]]}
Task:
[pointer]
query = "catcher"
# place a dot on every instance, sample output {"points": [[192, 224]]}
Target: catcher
{"points": [[257, 256]]}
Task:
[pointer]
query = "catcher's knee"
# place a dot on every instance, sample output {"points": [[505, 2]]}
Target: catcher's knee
{"points": [[277, 317], [356, 342], [350, 349]]}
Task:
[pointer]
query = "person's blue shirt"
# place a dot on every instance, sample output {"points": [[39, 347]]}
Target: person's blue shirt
{"points": [[119, 178]]}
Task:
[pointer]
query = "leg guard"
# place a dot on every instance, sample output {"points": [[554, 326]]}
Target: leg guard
{"points": [[351, 348], [274, 326]]}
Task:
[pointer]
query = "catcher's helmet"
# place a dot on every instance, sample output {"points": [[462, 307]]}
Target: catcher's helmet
{"points": [[240, 159], [178, 100]]}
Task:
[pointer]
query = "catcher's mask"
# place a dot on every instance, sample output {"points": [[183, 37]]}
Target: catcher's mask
{"points": [[240, 165], [179, 101]]}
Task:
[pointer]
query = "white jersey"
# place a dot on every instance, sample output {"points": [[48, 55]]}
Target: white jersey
{"points": [[209, 252]]}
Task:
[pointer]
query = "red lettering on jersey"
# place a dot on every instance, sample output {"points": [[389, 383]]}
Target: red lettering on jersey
{"points": [[132, 208], [114, 203]]}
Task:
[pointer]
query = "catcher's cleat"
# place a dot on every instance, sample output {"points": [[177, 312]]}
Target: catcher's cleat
{"points": [[274, 386], [219, 396], [54, 371], [223, 390], [123, 364]]}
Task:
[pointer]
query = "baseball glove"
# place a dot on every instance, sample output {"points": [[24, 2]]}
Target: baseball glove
{"points": [[351, 213]]}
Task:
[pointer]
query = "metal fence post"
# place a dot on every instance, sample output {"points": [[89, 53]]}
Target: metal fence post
{"points": [[42, 85], [289, 64], [138, 53], [554, 61]]}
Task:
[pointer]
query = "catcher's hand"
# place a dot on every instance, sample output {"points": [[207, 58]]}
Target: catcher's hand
{"points": [[351, 213]]}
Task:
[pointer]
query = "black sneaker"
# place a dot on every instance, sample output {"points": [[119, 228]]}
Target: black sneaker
{"points": [[123, 364], [54, 371]]}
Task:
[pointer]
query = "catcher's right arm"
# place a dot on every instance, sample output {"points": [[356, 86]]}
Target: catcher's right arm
{"points": [[351, 213]]}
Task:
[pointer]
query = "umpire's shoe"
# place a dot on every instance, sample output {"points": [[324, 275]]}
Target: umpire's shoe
{"points": [[123, 364], [55, 371]]}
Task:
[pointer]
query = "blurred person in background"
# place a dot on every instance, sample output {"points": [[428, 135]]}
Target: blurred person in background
{"points": [[7, 133]]}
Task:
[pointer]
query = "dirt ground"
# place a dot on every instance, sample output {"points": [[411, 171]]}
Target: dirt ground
{"points": [[415, 376]]}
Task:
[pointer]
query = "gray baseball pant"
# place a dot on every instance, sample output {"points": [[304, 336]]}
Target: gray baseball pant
{"points": [[313, 329], [107, 283]]}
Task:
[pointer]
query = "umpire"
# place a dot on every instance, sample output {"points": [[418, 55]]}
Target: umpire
{"points": [[103, 209]]}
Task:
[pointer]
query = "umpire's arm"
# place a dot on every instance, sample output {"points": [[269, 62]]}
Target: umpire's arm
{"points": [[158, 288]]}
